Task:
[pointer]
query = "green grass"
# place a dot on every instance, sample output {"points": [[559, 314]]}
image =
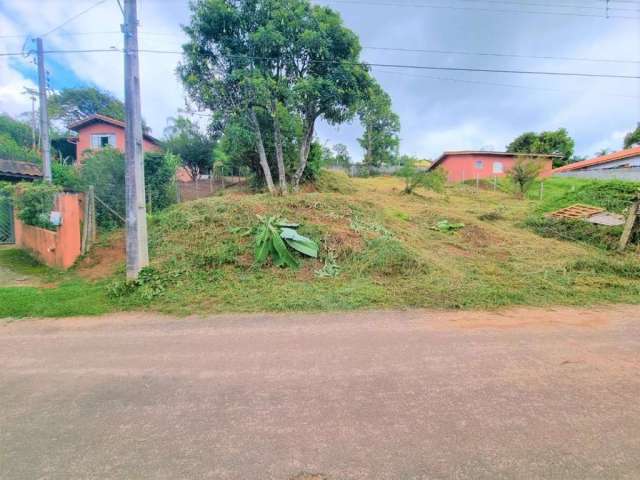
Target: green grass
{"points": [[613, 195], [57, 294]]}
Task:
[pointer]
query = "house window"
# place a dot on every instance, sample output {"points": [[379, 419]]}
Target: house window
{"points": [[102, 140], [498, 167], [479, 164]]}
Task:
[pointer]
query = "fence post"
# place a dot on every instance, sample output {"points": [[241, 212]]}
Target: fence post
{"points": [[541, 190]]}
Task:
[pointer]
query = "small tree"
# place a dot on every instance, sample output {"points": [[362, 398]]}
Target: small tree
{"points": [[415, 177], [632, 139], [524, 173], [195, 149]]}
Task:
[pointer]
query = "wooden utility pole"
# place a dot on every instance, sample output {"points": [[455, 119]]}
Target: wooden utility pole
{"points": [[44, 114], [137, 248]]}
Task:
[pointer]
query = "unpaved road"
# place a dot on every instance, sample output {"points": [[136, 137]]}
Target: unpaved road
{"points": [[523, 394]]}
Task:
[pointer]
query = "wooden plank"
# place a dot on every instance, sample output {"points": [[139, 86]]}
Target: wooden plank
{"points": [[628, 227]]}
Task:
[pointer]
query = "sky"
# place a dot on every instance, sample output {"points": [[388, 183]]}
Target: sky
{"points": [[439, 110]]}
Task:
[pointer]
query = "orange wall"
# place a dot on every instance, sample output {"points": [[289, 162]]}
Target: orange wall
{"points": [[463, 167], [84, 138], [61, 248]]}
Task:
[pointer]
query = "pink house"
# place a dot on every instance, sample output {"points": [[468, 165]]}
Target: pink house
{"points": [[469, 165], [99, 131]]}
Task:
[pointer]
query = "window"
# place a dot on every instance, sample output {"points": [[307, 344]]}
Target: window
{"points": [[498, 167], [102, 140], [479, 164]]}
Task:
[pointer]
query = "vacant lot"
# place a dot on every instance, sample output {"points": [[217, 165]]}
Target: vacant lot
{"points": [[379, 249]]}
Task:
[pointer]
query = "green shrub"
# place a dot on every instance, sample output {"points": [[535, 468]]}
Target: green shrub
{"points": [[388, 256], [413, 177], [524, 173], [105, 170], [11, 150], [334, 182], [34, 203], [67, 177]]}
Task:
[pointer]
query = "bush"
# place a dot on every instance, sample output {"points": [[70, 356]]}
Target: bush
{"points": [[67, 177], [11, 150], [413, 177], [34, 203], [104, 169]]}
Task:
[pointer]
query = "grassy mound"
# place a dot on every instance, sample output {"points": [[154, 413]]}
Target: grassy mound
{"points": [[378, 248]]}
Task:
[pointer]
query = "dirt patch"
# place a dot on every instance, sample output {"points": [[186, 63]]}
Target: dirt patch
{"points": [[103, 260]]}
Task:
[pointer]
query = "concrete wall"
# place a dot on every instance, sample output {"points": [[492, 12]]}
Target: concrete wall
{"points": [[84, 138], [462, 168], [629, 174], [59, 249]]}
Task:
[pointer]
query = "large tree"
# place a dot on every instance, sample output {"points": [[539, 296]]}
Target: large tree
{"points": [[556, 142], [73, 104], [184, 138], [268, 60], [381, 124], [632, 139]]}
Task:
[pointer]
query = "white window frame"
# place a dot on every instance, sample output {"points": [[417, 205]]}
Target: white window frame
{"points": [[96, 140], [478, 164], [498, 167]]}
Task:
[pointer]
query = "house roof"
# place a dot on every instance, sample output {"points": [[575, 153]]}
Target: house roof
{"points": [[482, 152], [15, 169], [611, 157], [97, 118]]}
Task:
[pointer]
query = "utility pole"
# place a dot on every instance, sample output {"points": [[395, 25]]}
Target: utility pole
{"points": [[44, 114], [137, 248]]}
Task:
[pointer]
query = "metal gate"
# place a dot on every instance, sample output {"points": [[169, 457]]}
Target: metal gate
{"points": [[6, 219]]}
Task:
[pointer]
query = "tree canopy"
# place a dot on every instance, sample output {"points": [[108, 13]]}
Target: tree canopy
{"points": [[184, 138], [261, 63], [556, 142], [632, 139], [380, 139], [72, 104]]}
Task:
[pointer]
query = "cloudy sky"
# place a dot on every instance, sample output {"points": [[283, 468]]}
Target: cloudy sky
{"points": [[439, 110]]}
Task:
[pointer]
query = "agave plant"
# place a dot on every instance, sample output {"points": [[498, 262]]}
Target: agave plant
{"points": [[274, 237]]}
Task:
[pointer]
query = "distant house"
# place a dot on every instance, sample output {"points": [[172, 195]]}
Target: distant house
{"points": [[14, 171], [621, 165], [469, 165], [99, 131]]}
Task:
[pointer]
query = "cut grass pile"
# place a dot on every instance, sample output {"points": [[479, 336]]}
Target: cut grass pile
{"points": [[378, 249]]}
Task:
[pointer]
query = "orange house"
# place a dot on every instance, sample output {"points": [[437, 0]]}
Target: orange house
{"points": [[99, 131], [470, 165]]}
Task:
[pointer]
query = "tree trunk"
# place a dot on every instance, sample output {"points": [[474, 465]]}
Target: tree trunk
{"points": [[277, 138], [305, 146], [261, 152]]}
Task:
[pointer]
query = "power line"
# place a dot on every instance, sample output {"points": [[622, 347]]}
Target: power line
{"points": [[478, 9], [509, 55], [394, 49], [496, 84], [371, 64], [69, 20], [552, 5]]}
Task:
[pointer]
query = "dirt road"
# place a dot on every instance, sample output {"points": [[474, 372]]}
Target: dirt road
{"points": [[524, 394]]}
